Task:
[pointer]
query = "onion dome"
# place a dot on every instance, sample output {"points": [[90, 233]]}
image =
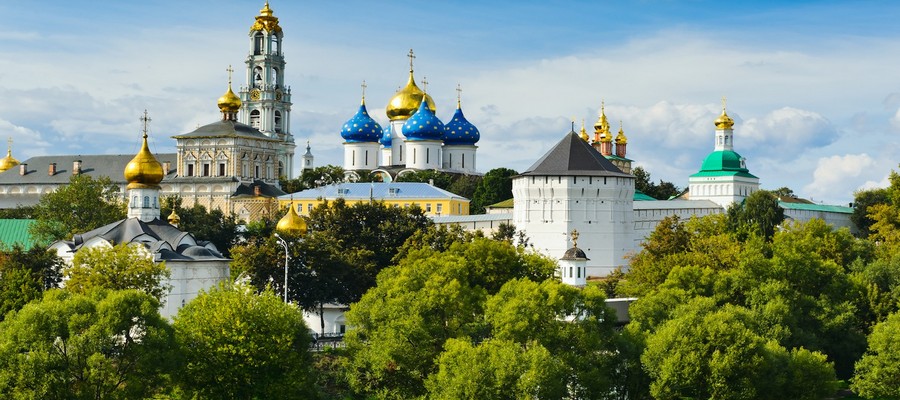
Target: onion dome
{"points": [[266, 21], [423, 125], [9, 161], [143, 171], [174, 219], [602, 123], [386, 136], [229, 102], [583, 134], [291, 223], [405, 103], [361, 127], [459, 130], [620, 138], [724, 121]]}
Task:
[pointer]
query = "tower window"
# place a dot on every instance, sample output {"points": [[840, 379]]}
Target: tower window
{"points": [[276, 44], [258, 44], [257, 77], [274, 78], [256, 172], [254, 119], [278, 121], [146, 201]]}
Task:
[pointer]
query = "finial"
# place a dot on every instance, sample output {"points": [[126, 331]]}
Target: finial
{"points": [[424, 84], [458, 95], [602, 107], [723, 104], [230, 70], [582, 124], [364, 86], [145, 119], [620, 124], [9, 145], [573, 124], [411, 57], [574, 238]]}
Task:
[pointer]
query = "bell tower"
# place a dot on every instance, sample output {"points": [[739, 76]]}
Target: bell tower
{"points": [[266, 101]]}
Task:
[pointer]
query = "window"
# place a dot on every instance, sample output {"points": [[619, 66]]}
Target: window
{"points": [[221, 169], [440, 208], [258, 43], [367, 158], [254, 119], [278, 121], [257, 77], [427, 156], [205, 169], [353, 158], [309, 207], [428, 207], [190, 170], [256, 172], [146, 201], [414, 156], [134, 202], [393, 191], [464, 162], [578, 271]]}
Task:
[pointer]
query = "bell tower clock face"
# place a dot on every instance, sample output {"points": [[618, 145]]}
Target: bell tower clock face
{"points": [[278, 95], [255, 94]]}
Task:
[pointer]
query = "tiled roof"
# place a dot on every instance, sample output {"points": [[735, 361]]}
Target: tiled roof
{"points": [[374, 190], [572, 156], [14, 231], [96, 166], [225, 128]]}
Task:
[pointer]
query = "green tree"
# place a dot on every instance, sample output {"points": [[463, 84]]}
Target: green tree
{"points": [[25, 275], [495, 186], [662, 191], [784, 191], [758, 214], [123, 266], [215, 226], [437, 178], [20, 212], [878, 372], [100, 345], [82, 205], [863, 201], [322, 176], [240, 345]]}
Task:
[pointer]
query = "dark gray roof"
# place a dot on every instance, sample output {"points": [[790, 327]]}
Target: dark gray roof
{"points": [[112, 166], [572, 156], [266, 190], [574, 254], [165, 241], [225, 128]]}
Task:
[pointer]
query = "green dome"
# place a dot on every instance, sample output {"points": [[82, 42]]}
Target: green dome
{"points": [[723, 162]]}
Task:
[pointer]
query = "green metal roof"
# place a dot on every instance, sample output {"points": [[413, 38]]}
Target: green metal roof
{"points": [[508, 203], [640, 196], [815, 207], [14, 231], [723, 163]]}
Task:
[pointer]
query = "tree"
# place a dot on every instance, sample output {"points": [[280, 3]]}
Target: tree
{"points": [[878, 372], [437, 178], [863, 202], [241, 345], [663, 191], [99, 345], [758, 214], [82, 205], [784, 191], [495, 186], [123, 266], [25, 275], [214, 226]]}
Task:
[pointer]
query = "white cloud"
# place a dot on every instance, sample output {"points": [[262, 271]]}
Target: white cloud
{"points": [[839, 174], [787, 128]]}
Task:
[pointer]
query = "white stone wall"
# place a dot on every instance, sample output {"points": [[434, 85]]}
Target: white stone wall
{"points": [[361, 156], [334, 319], [648, 214], [723, 190], [188, 278], [836, 220], [423, 154], [459, 158]]}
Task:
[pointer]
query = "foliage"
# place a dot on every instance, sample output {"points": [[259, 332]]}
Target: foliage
{"points": [[878, 372], [863, 201], [436, 178], [214, 226], [429, 297], [495, 186], [318, 176], [241, 345], [82, 205], [759, 214], [99, 345], [20, 212], [123, 266], [662, 191], [25, 275]]}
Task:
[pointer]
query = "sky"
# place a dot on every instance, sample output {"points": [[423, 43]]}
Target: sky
{"points": [[814, 87]]}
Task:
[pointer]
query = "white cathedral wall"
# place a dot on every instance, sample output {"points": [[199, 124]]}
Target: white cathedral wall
{"points": [[723, 190], [548, 208], [423, 154], [360, 156], [333, 316], [386, 158], [397, 140], [459, 158], [188, 278]]}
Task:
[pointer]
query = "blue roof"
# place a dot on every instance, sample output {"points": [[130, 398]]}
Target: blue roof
{"points": [[423, 125], [386, 136], [361, 127], [373, 190], [460, 131]]}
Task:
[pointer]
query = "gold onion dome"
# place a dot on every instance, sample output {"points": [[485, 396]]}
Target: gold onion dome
{"points": [[229, 102], [583, 134], [406, 102], [724, 121], [174, 219], [266, 21], [620, 138], [291, 223], [143, 171], [9, 161]]}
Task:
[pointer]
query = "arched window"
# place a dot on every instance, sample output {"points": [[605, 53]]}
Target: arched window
{"points": [[254, 119], [276, 44], [134, 202], [274, 77], [257, 77], [277, 121], [258, 43], [146, 201]]}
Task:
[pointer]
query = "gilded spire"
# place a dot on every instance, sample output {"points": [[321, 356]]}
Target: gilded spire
{"points": [[266, 20], [144, 171], [406, 101], [724, 121], [620, 138], [583, 134]]}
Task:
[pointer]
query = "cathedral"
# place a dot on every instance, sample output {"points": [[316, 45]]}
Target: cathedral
{"points": [[233, 164], [415, 138]]}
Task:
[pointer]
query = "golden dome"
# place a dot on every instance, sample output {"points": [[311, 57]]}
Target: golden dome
{"points": [[266, 21], [620, 138], [406, 102], [9, 161], [174, 219], [229, 102], [602, 124], [583, 134], [291, 223], [724, 121], [144, 171]]}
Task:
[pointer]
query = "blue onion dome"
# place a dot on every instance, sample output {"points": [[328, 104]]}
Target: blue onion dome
{"points": [[386, 137], [361, 128], [460, 131], [423, 125]]}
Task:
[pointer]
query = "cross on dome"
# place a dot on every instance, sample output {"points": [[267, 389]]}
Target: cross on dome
{"points": [[574, 235], [230, 71], [364, 86], [425, 84], [145, 120], [458, 95], [411, 57]]}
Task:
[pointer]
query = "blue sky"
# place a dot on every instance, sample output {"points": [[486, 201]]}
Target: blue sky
{"points": [[814, 86]]}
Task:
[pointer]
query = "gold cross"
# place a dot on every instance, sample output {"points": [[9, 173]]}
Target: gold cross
{"points": [[458, 94], [411, 57], [229, 70], [723, 103], [364, 86], [146, 120], [425, 84], [574, 238], [9, 144]]}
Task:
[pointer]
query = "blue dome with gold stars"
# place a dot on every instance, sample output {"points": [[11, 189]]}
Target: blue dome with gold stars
{"points": [[361, 128], [386, 137], [460, 131], [423, 125]]}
